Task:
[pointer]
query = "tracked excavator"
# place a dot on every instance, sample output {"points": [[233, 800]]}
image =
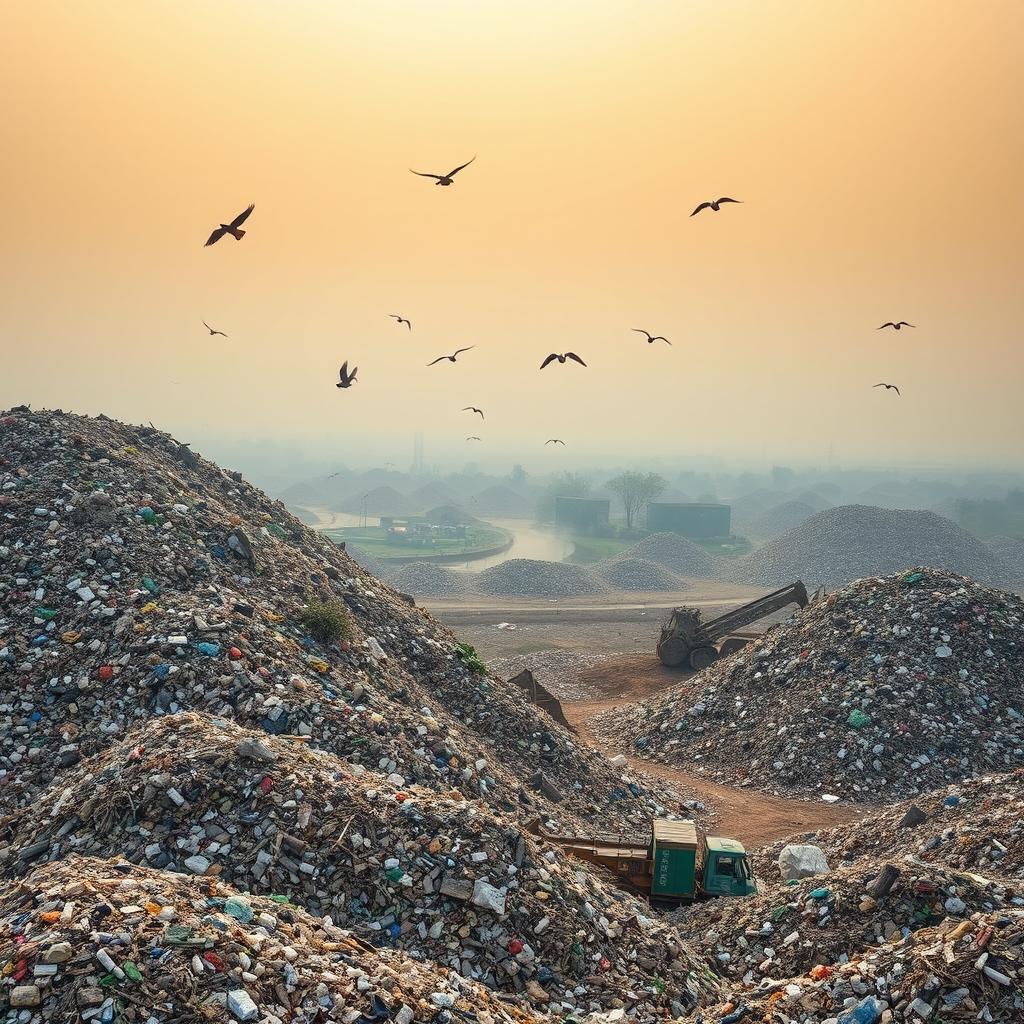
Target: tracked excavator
{"points": [[688, 642]]}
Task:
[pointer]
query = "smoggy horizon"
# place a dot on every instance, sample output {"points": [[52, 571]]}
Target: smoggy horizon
{"points": [[876, 150]]}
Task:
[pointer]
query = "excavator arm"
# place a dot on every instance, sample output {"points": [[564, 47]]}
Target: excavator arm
{"points": [[795, 593]]}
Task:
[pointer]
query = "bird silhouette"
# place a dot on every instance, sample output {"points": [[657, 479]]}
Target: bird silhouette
{"points": [[443, 179], [473, 438], [451, 358], [561, 357], [895, 327], [888, 387], [234, 228], [212, 331], [555, 440], [651, 338], [714, 204], [473, 408], [401, 320], [347, 379]]}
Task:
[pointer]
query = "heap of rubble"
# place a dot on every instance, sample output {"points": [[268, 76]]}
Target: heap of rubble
{"points": [[885, 689]]}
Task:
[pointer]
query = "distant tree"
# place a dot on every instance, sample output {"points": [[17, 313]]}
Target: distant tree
{"points": [[563, 485], [518, 474], [635, 490]]}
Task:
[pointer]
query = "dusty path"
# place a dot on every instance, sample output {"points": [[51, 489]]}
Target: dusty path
{"points": [[758, 819]]}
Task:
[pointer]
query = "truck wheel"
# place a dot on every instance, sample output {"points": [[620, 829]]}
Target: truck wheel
{"points": [[672, 652], [702, 657]]}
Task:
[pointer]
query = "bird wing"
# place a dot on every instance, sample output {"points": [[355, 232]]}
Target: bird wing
{"points": [[896, 389], [451, 174], [215, 236], [408, 323], [474, 438], [572, 355], [343, 372], [726, 199], [243, 216], [905, 324], [437, 360], [888, 323], [424, 174], [640, 330], [395, 316], [879, 385], [207, 326], [703, 206], [466, 349], [352, 375], [548, 359], [661, 337]]}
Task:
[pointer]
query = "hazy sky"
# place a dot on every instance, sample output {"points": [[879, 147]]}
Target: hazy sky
{"points": [[877, 147]]}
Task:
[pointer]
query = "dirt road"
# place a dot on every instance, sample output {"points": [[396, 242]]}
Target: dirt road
{"points": [[758, 819]]}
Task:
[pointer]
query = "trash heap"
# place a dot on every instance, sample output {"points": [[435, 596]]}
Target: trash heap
{"points": [[957, 970], [138, 579], [427, 579], [775, 521], [676, 553], [637, 574], [440, 876], [533, 577], [888, 688], [1010, 552], [96, 940], [844, 543]]}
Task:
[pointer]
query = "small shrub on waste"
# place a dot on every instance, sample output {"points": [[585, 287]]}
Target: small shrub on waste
{"points": [[468, 656], [326, 621]]}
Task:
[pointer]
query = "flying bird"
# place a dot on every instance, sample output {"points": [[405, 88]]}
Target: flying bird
{"points": [[400, 319], [473, 438], [450, 358], [212, 331], [234, 228], [895, 327], [473, 408], [443, 179], [651, 338], [714, 204], [561, 357], [555, 440], [888, 387], [346, 379]]}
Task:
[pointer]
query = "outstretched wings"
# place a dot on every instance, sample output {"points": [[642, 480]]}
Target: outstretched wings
{"points": [[215, 236], [424, 174], [466, 349], [548, 359], [726, 199], [243, 216], [451, 174], [703, 206], [572, 355]]}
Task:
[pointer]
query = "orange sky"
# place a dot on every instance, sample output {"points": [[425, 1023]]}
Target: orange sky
{"points": [[876, 145]]}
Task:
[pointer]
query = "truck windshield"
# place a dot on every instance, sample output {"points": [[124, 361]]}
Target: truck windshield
{"points": [[743, 868]]}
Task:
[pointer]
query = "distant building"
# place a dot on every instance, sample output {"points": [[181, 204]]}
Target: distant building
{"points": [[581, 514], [689, 519]]}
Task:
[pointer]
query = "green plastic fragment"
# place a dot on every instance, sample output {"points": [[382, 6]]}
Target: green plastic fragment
{"points": [[278, 898], [151, 585], [132, 973], [47, 614], [858, 719], [912, 578]]}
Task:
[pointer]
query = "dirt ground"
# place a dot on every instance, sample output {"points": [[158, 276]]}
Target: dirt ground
{"points": [[625, 627]]}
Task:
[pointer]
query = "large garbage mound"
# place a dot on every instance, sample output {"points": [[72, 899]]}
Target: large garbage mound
{"points": [[372, 565], [674, 552], [778, 520], [845, 543], [532, 577], [397, 865], [639, 574], [138, 579], [104, 940], [1010, 552], [887, 688], [502, 500], [427, 579]]}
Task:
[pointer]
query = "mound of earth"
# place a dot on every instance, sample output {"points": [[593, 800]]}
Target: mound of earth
{"points": [[673, 552], [885, 689], [845, 543], [639, 574], [1010, 552], [531, 577], [778, 519], [429, 495], [366, 561], [427, 579], [379, 501], [502, 500]]}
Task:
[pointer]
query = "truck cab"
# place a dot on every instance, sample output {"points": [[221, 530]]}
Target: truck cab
{"points": [[726, 869]]}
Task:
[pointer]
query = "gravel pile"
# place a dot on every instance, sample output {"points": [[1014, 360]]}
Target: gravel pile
{"points": [[372, 565], [625, 573], [887, 688], [778, 519], [427, 579], [674, 552], [1010, 552], [845, 543], [531, 577]]}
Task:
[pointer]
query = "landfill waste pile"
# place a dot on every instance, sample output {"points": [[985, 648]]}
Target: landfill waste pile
{"points": [[427, 579], [438, 875], [626, 573], [103, 940], [532, 577], [1010, 552], [975, 826], [138, 579], [958, 970], [777, 520], [887, 688], [841, 544], [676, 553], [372, 565]]}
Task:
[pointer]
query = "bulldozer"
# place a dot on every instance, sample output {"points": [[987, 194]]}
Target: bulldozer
{"points": [[688, 641]]}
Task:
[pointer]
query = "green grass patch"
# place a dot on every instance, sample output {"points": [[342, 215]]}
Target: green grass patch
{"points": [[326, 621], [587, 550]]}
